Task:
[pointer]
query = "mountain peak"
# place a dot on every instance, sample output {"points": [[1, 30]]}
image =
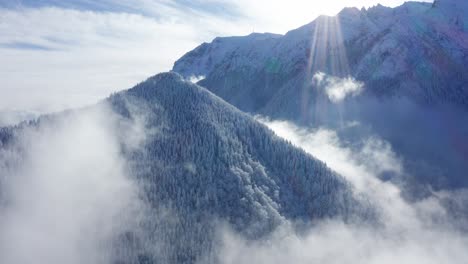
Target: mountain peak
{"points": [[210, 159], [167, 76], [348, 11], [168, 85]]}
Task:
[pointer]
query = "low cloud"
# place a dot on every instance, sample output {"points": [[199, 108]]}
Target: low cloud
{"points": [[337, 89], [66, 192], [337, 243], [373, 157], [418, 232], [195, 79]]}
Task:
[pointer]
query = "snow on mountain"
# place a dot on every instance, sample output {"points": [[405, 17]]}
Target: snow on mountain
{"points": [[412, 61], [413, 50], [204, 162]]}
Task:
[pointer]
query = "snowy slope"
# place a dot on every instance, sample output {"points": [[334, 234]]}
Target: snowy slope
{"points": [[206, 162], [412, 61], [413, 50]]}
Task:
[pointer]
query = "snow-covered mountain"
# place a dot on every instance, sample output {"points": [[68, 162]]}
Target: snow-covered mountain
{"points": [[416, 50], [204, 162], [411, 60]]}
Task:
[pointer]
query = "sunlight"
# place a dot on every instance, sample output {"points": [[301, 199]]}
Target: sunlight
{"points": [[327, 54], [327, 51], [281, 16]]}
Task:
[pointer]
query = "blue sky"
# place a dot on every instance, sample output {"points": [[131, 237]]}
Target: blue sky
{"points": [[58, 54]]}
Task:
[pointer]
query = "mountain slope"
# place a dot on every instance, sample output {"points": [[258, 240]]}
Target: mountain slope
{"points": [[205, 162], [411, 61], [414, 50]]}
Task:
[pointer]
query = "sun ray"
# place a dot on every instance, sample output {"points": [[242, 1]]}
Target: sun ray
{"points": [[328, 54]]}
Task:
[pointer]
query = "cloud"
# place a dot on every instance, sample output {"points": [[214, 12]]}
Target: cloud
{"points": [[65, 54], [66, 191], [13, 117], [372, 158], [409, 232], [57, 58], [23, 45], [195, 79], [263, 15], [336, 243], [282, 16], [337, 89], [361, 165], [84, 55]]}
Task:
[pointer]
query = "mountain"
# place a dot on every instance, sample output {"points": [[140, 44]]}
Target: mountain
{"points": [[206, 162], [413, 50], [411, 61]]}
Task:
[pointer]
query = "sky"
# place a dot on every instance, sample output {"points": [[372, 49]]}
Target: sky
{"points": [[60, 54]]}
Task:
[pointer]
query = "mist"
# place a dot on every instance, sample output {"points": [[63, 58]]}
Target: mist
{"points": [[67, 193], [337, 89], [407, 232]]}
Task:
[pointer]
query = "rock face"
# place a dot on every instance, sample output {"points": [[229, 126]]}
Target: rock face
{"points": [[412, 61], [205, 162]]}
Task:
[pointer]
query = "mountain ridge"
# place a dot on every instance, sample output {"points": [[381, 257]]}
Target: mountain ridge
{"points": [[376, 45]]}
